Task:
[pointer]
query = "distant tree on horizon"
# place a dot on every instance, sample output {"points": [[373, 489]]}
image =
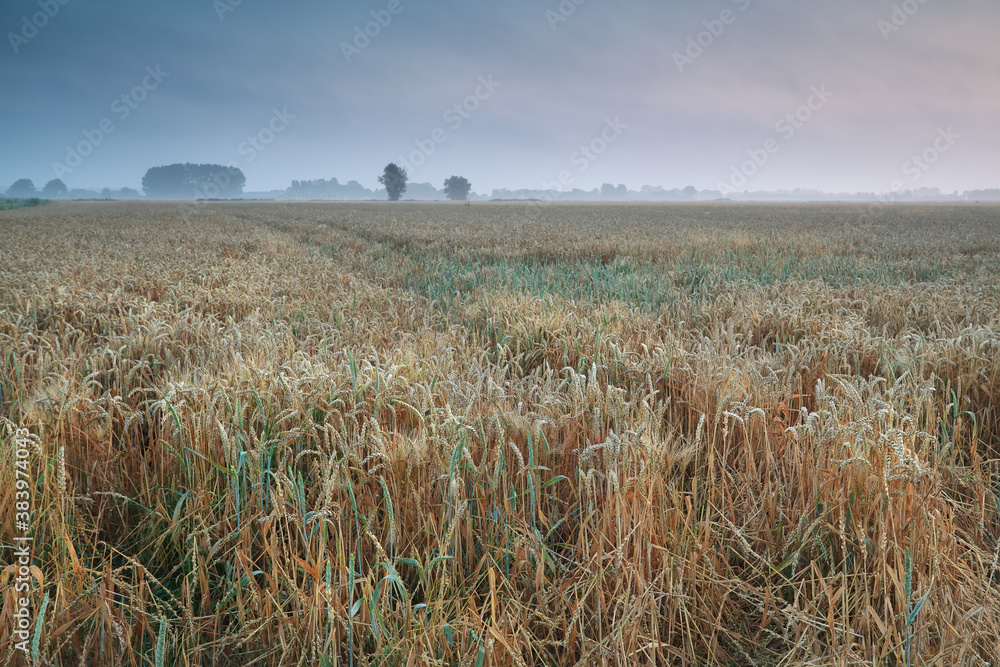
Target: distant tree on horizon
{"points": [[987, 195], [689, 191], [457, 188], [328, 189], [193, 181], [609, 191], [55, 188], [394, 180], [23, 187]]}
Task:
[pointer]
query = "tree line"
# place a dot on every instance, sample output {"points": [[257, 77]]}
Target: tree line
{"points": [[187, 181], [214, 181]]}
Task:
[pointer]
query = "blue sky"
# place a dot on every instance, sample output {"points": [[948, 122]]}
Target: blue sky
{"points": [[695, 90]]}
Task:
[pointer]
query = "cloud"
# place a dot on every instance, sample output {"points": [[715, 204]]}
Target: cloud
{"points": [[607, 59]]}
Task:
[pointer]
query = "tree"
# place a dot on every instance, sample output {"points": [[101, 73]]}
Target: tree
{"points": [[193, 181], [394, 180], [457, 188], [55, 188], [22, 188], [982, 195], [129, 193], [607, 190], [106, 193], [331, 189], [690, 191]]}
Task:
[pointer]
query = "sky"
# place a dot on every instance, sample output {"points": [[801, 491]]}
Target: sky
{"points": [[853, 95]]}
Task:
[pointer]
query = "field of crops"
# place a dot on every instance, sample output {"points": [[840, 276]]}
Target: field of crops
{"points": [[7, 203], [503, 434]]}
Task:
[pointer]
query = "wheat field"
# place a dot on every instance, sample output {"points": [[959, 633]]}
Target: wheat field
{"points": [[503, 434]]}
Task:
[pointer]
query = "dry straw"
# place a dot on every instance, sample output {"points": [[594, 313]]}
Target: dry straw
{"points": [[356, 434]]}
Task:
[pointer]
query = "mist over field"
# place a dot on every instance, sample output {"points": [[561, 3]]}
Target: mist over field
{"points": [[499, 334], [725, 97]]}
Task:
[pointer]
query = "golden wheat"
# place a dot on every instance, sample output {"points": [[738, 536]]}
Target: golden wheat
{"points": [[505, 434]]}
